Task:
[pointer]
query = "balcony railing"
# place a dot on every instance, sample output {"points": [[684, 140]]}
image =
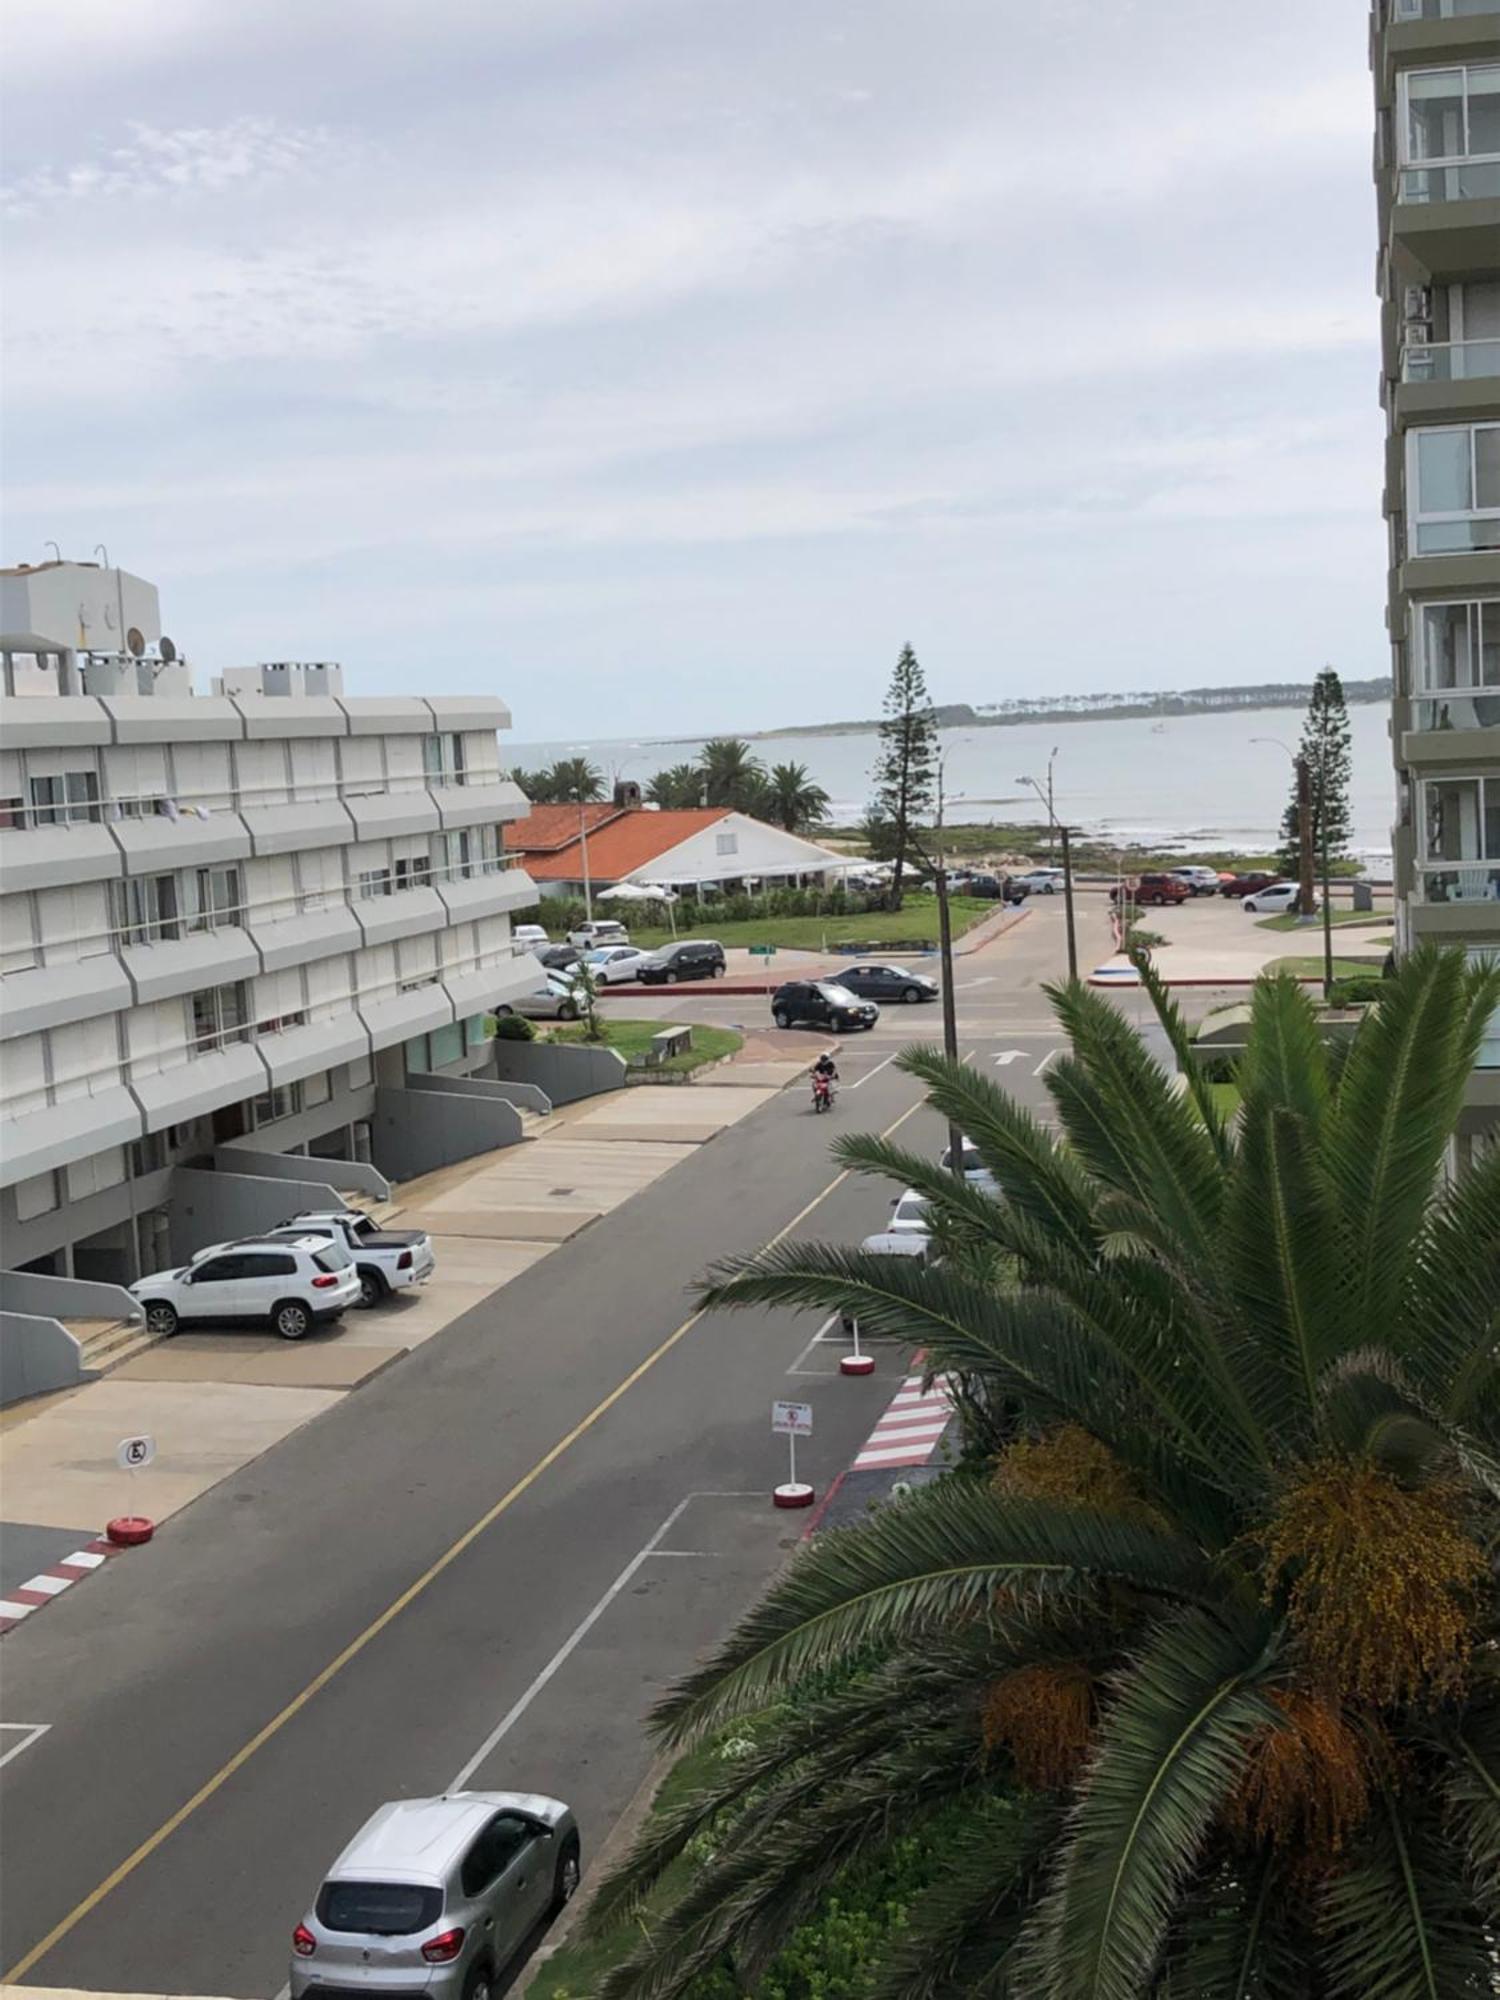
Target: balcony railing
{"points": [[1456, 708], [1450, 180], [1450, 361], [1438, 10], [1461, 882]]}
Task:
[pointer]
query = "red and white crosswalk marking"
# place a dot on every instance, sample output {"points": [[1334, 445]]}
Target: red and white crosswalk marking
{"points": [[41, 1589], [909, 1431]]}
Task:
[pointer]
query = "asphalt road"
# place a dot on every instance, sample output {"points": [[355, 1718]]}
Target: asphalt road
{"points": [[478, 1570]]}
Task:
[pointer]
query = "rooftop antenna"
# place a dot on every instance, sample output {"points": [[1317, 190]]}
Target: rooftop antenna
{"points": [[101, 550], [53, 545]]}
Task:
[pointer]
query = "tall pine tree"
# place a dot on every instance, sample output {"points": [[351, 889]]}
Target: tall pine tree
{"points": [[1325, 745], [905, 774]]}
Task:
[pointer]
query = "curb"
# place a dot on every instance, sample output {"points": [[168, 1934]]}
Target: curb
{"points": [[39, 1590]]}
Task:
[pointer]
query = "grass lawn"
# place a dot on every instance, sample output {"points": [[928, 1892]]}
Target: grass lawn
{"points": [[1343, 968], [632, 1038], [917, 919], [576, 1969], [1226, 1096], [1340, 917]]}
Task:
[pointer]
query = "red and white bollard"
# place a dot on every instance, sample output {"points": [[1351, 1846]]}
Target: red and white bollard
{"points": [[794, 1492], [856, 1362]]}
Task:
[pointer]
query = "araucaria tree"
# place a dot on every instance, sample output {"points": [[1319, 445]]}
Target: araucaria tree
{"points": [[905, 774], [1199, 1645], [1325, 745]]}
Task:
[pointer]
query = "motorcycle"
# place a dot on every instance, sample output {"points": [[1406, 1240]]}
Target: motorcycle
{"points": [[822, 1093]]}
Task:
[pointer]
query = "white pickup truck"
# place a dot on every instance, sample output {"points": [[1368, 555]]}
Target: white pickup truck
{"points": [[387, 1260]]}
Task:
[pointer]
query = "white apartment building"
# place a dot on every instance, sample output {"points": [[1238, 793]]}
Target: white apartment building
{"points": [[266, 921]]}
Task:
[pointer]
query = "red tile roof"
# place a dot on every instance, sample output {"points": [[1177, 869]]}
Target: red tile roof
{"points": [[621, 839]]}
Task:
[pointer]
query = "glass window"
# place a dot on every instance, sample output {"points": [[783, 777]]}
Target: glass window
{"points": [[380, 1909], [37, 1196], [432, 759], [279, 1102], [1484, 109], [216, 897], [220, 1014], [1455, 473], [144, 909], [269, 1264], [447, 1045], [1435, 114], [72, 795], [1443, 472], [374, 882]]}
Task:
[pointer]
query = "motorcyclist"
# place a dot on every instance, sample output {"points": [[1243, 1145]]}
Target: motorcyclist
{"points": [[824, 1076], [826, 1066]]}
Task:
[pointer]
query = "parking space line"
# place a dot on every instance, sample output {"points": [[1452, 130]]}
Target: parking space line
{"points": [[876, 1071], [1041, 1066], [796, 1367], [580, 1632], [33, 1732]]}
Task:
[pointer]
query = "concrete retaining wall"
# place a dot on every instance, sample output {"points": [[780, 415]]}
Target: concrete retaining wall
{"points": [[356, 1175], [212, 1207], [37, 1355], [28, 1292], [564, 1071], [525, 1096], [416, 1131]]}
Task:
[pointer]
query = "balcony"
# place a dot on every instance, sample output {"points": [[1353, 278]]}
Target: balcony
{"points": [[1451, 361], [1449, 180], [1399, 12]]}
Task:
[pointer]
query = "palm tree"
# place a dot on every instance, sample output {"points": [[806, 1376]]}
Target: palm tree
{"points": [[1203, 1632], [732, 776], [792, 800], [680, 786], [574, 780]]}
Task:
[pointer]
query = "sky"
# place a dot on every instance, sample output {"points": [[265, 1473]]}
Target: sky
{"points": [[664, 365]]}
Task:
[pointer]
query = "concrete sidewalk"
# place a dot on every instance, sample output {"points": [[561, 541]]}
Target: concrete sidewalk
{"points": [[1216, 943], [215, 1400]]}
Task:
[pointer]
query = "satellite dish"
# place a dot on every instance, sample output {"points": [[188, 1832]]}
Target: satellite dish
{"points": [[134, 643], [167, 650]]}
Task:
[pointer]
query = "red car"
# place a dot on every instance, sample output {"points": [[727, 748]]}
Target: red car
{"points": [[1248, 883], [1152, 889]]}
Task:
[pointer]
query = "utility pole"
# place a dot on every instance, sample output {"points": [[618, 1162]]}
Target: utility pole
{"points": [[1304, 839], [583, 843], [945, 948], [1327, 899], [1068, 906]]}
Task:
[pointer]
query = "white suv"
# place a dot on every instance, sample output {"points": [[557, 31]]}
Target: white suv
{"points": [[289, 1286]]}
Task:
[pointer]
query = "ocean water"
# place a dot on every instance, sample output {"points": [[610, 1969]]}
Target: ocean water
{"points": [[1196, 781]]}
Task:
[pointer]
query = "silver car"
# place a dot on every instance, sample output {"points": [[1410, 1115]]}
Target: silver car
{"points": [[435, 1896]]}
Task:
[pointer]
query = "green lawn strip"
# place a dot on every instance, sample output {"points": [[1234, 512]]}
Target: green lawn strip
{"points": [[1343, 968], [1226, 1096], [916, 920], [574, 1971], [1372, 918], [631, 1039]]}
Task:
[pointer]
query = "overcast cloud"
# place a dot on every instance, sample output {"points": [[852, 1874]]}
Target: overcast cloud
{"points": [[664, 364]]}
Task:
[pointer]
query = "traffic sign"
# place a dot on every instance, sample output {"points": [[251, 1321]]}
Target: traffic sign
{"points": [[763, 951], [791, 1420], [133, 1453]]}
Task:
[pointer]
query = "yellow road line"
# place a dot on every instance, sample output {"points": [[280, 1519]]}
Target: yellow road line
{"points": [[392, 1611]]}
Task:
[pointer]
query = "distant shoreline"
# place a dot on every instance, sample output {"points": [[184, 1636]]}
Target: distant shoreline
{"points": [[1156, 706]]}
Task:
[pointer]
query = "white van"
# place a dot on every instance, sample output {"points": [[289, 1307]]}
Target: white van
{"points": [[603, 930], [528, 937]]}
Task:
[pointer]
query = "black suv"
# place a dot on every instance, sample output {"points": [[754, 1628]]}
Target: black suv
{"points": [[693, 958], [822, 1003]]}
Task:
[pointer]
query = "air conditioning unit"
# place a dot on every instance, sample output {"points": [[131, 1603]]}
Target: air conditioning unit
{"points": [[1416, 303], [1418, 332]]}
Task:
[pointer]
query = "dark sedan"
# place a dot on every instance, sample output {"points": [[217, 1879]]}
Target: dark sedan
{"points": [[889, 982], [821, 1003]]}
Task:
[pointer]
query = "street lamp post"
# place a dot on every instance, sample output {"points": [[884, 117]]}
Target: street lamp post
{"points": [[939, 867], [1067, 859], [583, 845]]}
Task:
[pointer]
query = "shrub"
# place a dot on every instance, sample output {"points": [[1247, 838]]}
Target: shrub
{"points": [[1356, 992], [514, 1028]]}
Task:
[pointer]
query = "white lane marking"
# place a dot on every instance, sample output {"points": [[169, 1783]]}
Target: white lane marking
{"points": [[31, 1731], [876, 1071], [796, 1367], [1008, 1056], [1041, 1066], [50, 1586], [579, 1633], [968, 985]]}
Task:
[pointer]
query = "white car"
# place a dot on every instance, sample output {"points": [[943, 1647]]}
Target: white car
{"points": [[908, 1233], [1040, 881], [603, 930], [612, 964], [1202, 881], [1275, 901], [528, 937], [556, 1001], [976, 1173], [288, 1286]]}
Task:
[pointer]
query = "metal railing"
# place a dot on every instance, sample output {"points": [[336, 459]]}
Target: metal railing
{"points": [[1450, 361], [1450, 180], [18, 812]]}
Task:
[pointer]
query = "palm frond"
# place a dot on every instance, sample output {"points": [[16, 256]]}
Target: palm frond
{"points": [[1125, 1118], [1173, 1026], [1449, 1338], [1285, 1254], [1168, 1752], [1285, 1063], [1399, 1921], [1385, 1135], [961, 1938], [1040, 1178], [942, 1554], [1240, 1935], [1471, 1795]]}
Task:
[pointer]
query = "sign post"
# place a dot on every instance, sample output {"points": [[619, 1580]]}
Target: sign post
{"points": [[791, 1421], [132, 1454]]}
